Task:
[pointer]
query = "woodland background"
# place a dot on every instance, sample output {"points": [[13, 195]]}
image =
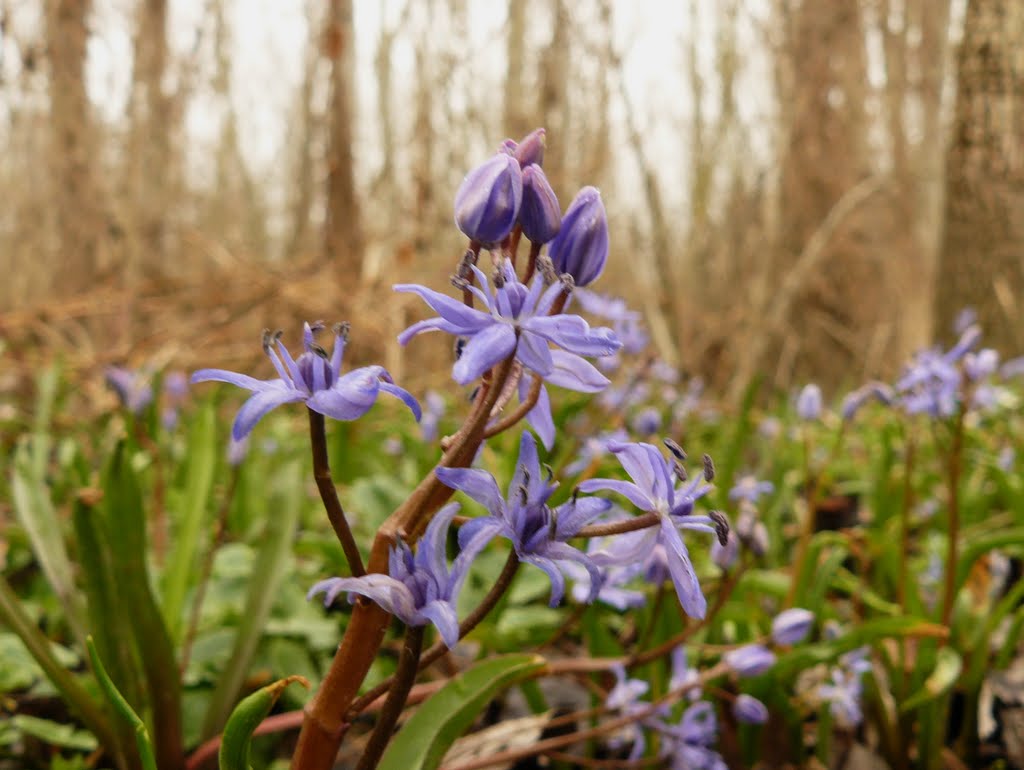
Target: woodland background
{"points": [[818, 190]]}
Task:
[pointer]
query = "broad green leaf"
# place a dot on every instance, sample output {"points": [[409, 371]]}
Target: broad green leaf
{"points": [[237, 737], [948, 665], [55, 733], [421, 744]]}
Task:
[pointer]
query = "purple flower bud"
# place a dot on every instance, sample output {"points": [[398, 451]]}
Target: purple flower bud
{"points": [[508, 147], [530, 151], [487, 203], [647, 422], [540, 215], [792, 626], [808, 403], [725, 556], [749, 710], [581, 246], [751, 660]]}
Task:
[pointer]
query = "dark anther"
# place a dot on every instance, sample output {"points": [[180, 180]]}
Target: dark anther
{"points": [[473, 394], [546, 268], [317, 326], [342, 330], [549, 471], [526, 476], [499, 279], [459, 282], [524, 495], [575, 494], [680, 471], [709, 468], [467, 261], [460, 345], [319, 350], [721, 526], [675, 449], [568, 282], [268, 340], [552, 522]]}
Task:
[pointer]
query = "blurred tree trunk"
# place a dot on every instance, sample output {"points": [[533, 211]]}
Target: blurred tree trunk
{"points": [[77, 200], [516, 119], [151, 125], [424, 137], [821, 82], [554, 75], [982, 259], [304, 144], [343, 233]]}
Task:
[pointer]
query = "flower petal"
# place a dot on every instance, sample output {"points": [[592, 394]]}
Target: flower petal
{"points": [[432, 325], [539, 417], [554, 575], [572, 333], [404, 396], [234, 378], [431, 550], [573, 373], [575, 515], [392, 595], [646, 466], [258, 405], [351, 396], [683, 575], [631, 491], [442, 615], [478, 484], [486, 348], [475, 534], [533, 352], [455, 311]]}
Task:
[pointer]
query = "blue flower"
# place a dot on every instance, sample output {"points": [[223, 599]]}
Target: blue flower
{"points": [[749, 710], [792, 626], [932, 383], [749, 488], [846, 689], [689, 743], [653, 489], [133, 388], [750, 660], [516, 320], [419, 589], [809, 402], [537, 532], [314, 379]]}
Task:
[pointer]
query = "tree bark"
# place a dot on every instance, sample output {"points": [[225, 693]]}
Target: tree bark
{"points": [[343, 233], [982, 258]]}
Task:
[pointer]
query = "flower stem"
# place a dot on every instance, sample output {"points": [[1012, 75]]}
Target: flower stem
{"points": [[519, 412], [329, 494], [953, 475], [643, 521], [405, 676]]}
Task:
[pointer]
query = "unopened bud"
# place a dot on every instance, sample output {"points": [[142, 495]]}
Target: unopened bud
{"points": [[487, 203], [792, 625], [581, 246], [530, 151], [749, 710], [540, 215]]}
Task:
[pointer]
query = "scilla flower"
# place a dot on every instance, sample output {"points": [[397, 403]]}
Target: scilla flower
{"points": [[537, 532], [419, 588], [487, 203], [581, 246], [653, 489], [516, 321], [315, 379]]}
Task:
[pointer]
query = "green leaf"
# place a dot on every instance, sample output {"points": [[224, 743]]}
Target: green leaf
{"points": [[269, 571], [202, 461], [37, 515], [55, 733], [868, 632], [123, 708], [237, 737], [422, 742], [948, 665], [126, 529]]}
